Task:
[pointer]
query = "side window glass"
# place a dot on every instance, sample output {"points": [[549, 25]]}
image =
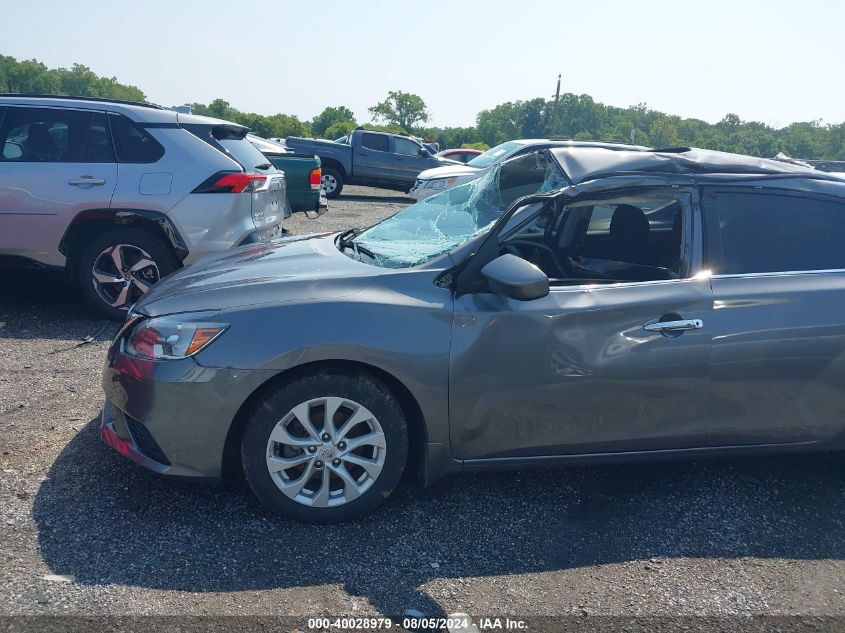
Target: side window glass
{"points": [[52, 135], [405, 146], [98, 146], [612, 241], [378, 142], [132, 144], [763, 233]]}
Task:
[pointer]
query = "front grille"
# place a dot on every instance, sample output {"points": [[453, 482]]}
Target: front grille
{"points": [[144, 441]]}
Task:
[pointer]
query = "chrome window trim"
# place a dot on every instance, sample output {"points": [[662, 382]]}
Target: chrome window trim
{"points": [[790, 273], [622, 284]]}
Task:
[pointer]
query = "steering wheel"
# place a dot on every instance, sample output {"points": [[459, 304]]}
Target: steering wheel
{"points": [[511, 247]]}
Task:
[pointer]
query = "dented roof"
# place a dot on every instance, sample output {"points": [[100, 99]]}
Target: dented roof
{"points": [[587, 163]]}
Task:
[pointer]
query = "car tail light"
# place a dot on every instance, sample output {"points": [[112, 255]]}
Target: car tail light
{"points": [[316, 178], [231, 182]]}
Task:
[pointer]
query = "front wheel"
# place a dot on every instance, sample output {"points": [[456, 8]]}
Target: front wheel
{"points": [[326, 447], [120, 265], [332, 182]]}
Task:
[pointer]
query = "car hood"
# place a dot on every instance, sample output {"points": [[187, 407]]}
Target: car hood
{"points": [[288, 269], [449, 171]]}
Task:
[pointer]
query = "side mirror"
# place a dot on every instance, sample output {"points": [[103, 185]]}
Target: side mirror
{"points": [[516, 278], [423, 152]]}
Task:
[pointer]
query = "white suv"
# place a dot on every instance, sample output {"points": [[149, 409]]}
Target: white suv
{"points": [[121, 194]]}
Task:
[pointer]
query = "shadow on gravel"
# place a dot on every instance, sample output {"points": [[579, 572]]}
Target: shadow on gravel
{"points": [[42, 304], [107, 521]]}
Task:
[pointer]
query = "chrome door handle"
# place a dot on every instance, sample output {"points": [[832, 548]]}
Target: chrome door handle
{"points": [[86, 181], [674, 326]]}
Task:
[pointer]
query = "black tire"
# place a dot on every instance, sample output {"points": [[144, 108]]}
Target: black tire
{"points": [[158, 251], [269, 410], [333, 173]]}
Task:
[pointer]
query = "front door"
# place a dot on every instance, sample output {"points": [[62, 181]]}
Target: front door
{"points": [[615, 358], [779, 326], [56, 162], [407, 161]]}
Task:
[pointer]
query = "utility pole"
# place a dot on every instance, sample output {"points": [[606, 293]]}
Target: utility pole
{"points": [[555, 112]]}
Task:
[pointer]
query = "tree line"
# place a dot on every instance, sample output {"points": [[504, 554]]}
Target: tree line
{"points": [[575, 116]]}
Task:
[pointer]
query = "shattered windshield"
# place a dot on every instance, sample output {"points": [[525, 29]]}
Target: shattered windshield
{"points": [[438, 224], [494, 155]]}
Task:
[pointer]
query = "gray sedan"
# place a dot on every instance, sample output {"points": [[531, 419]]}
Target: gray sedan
{"points": [[576, 304]]}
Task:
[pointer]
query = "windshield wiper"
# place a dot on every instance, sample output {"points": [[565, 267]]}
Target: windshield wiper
{"points": [[347, 236], [347, 240]]}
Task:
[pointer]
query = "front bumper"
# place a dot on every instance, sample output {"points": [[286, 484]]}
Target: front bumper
{"points": [[172, 417]]}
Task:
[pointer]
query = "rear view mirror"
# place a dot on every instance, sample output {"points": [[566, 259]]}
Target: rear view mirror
{"points": [[423, 152], [516, 278]]}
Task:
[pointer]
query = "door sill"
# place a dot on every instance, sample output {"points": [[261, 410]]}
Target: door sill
{"points": [[496, 463]]}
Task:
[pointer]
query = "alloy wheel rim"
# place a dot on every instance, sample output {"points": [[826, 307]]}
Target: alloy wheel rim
{"points": [[326, 452], [329, 183], [122, 273]]}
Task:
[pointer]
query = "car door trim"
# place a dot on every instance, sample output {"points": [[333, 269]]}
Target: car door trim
{"points": [[488, 463], [822, 271]]}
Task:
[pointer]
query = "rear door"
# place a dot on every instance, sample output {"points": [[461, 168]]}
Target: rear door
{"points": [[56, 162], [778, 363], [407, 161], [373, 159]]}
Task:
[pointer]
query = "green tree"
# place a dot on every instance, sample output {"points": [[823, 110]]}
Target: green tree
{"points": [[339, 128], [328, 117], [221, 109], [402, 109], [29, 76], [663, 133]]}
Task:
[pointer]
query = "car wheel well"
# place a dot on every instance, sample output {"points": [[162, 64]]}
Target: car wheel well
{"points": [[329, 162], [88, 225], [231, 467]]}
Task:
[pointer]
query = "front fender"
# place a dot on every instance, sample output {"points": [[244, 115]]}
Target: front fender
{"points": [[401, 331]]}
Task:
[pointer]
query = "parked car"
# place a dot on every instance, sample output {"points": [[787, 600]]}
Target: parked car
{"points": [[368, 158], [572, 305], [302, 174], [436, 180], [460, 155], [121, 194]]}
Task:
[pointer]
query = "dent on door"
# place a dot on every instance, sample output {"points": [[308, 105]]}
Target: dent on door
{"points": [[578, 372]]}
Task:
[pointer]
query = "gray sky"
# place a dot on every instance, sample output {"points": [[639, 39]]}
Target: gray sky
{"points": [[775, 61]]}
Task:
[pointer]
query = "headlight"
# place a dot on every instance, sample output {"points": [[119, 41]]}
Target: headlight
{"points": [[174, 336], [441, 183]]}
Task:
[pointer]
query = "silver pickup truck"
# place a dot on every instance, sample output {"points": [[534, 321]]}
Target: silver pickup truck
{"points": [[363, 157]]}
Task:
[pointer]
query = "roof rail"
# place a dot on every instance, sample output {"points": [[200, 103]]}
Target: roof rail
{"points": [[143, 104]]}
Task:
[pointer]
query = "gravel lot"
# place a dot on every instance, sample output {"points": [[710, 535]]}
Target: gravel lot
{"points": [[726, 537]]}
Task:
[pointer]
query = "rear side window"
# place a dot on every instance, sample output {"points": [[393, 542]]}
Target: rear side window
{"points": [[764, 233], [132, 144], [55, 135], [378, 142], [245, 153]]}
